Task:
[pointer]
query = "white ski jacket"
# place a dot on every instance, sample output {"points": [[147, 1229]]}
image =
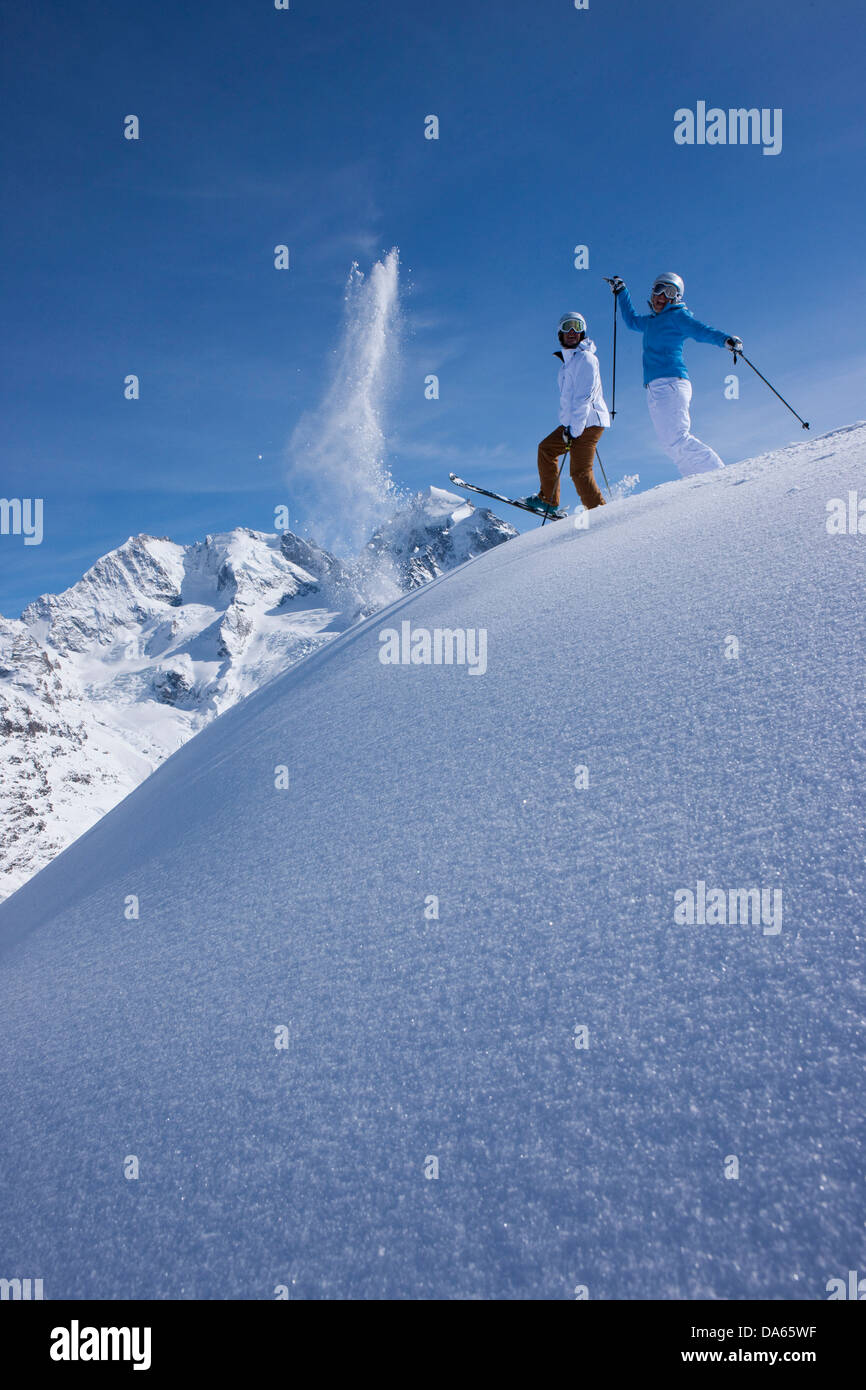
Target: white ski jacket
{"points": [[581, 400]]}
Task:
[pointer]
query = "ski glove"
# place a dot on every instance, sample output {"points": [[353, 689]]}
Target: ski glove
{"points": [[567, 437], [617, 285], [735, 344]]}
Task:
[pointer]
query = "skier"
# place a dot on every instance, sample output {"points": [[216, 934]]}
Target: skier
{"points": [[669, 391], [583, 417]]}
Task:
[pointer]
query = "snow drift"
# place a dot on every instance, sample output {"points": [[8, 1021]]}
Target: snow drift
{"points": [[379, 979]]}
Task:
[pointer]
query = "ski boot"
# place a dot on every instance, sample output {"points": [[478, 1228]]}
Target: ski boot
{"points": [[536, 503]]}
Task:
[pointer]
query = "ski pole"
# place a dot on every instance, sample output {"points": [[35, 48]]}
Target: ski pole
{"points": [[558, 476], [604, 475], [803, 422], [613, 383]]}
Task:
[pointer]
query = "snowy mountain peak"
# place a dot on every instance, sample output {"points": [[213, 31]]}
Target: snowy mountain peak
{"points": [[436, 502], [121, 590], [433, 532]]}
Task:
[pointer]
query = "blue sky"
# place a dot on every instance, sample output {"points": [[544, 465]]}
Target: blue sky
{"points": [[307, 127]]}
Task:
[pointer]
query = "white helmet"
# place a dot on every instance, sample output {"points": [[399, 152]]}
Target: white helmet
{"points": [[574, 320], [670, 284]]}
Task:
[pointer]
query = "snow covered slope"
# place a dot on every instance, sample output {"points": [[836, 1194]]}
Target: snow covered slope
{"points": [[100, 683], [473, 946]]}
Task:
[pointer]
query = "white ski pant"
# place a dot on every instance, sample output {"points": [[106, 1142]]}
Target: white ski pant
{"points": [[668, 398]]}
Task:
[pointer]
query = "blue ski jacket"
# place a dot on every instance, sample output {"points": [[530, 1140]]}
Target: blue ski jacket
{"points": [[664, 335]]}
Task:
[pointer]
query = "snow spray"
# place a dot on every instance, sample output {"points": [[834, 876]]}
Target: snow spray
{"points": [[337, 451]]}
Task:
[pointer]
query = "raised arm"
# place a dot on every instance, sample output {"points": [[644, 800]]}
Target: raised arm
{"points": [[702, 332], [629, 317]]}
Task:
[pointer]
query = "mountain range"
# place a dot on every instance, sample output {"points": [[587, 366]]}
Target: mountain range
{"points": [[99, 684]]}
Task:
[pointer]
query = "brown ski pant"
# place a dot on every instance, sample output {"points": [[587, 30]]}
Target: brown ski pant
{"points": [[550, 451]]}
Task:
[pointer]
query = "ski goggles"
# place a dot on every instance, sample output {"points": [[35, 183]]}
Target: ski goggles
{"points": [[669, 291], [572, 326]]}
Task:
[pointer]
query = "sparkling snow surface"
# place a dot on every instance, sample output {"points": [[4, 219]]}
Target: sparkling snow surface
{"points": [[453, 1038]]}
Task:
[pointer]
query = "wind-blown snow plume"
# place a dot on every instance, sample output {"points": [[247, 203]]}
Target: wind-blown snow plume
{"points": [[337, 451]]}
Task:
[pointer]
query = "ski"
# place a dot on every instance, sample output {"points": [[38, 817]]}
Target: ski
{"points": [[511, 501]]}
